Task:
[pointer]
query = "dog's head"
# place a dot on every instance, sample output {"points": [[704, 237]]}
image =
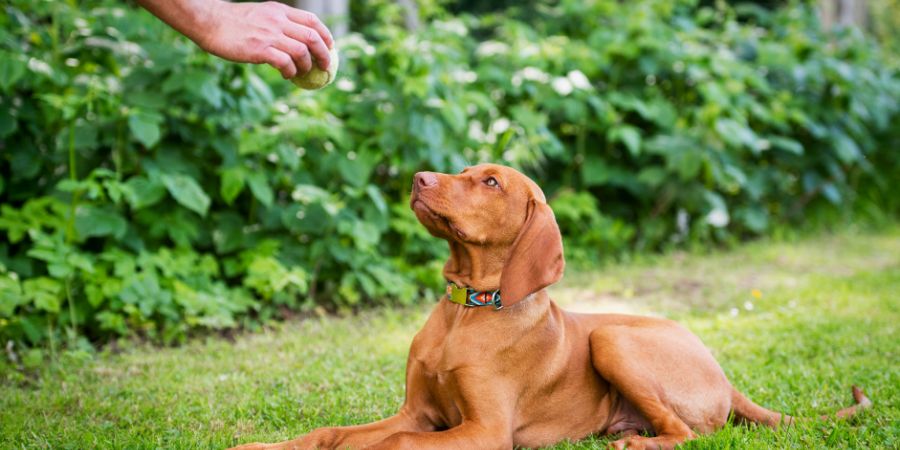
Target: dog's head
{"points": [[501, 231]]}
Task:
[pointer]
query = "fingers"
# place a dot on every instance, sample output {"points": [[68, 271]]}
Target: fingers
{"points": [[310, 20], [298, 52], [313, 41], [281, 61]]}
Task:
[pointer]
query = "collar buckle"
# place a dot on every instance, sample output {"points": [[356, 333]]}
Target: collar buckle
{"points": [[471, 298]]}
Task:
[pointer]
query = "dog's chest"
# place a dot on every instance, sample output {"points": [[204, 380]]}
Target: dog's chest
{"points": [[442, 363]]}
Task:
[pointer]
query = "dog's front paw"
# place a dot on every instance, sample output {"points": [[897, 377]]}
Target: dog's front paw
{"points": [[630, 442], [319, 439], [251, 446]]}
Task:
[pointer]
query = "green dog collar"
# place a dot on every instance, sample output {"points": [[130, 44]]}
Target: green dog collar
{"points": [[471, 297]]}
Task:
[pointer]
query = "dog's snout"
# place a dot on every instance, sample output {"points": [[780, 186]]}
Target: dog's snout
{"points": [[425, 180]]}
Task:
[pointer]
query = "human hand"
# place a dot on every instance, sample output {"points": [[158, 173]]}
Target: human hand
{"points": [[266, 33]]}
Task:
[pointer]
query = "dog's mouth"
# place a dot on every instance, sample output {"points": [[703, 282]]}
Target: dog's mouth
{"points": [[435, 218]]}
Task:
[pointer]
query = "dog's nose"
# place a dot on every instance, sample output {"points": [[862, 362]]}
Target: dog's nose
{"points": [[425, 180]]}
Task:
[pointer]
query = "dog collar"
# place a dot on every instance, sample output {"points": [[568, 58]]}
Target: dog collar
{"points": [[471, 297]]}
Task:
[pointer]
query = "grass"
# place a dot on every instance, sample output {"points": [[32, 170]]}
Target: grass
{"points": [[794, 324]]}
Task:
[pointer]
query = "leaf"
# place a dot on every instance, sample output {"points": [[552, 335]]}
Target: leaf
{"points": [[846, 148], [259, 186], [232, 184], [831, 193], [145, 128], [628, 135], [737, 134], [356, 171], [141, 192], [756, 218], [92, 221], [594, 171], [45, 293], [652, 176], [377, 198], [308, 193], [228, 235], [787, 144], [11, 69], [187, 192], [10, 295], [8, 123], [365, 235]]}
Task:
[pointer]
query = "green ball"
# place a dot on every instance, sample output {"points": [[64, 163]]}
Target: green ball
{"points": [[318, 78]]}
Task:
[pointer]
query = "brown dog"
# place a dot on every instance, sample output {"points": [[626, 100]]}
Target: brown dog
{"points": [[529, 374]]}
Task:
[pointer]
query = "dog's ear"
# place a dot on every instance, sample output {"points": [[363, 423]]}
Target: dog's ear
{"points": [[535, 260]]}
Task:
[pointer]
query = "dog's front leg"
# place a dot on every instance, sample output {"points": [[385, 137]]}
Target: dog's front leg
{"points": [[469, 434], [486, 410], [355, 437]]}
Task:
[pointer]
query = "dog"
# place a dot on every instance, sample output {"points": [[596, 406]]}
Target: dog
{"points": [[499, 365]]}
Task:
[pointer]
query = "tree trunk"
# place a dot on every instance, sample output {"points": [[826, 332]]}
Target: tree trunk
{"points": [[411, 14], [843, 13]]}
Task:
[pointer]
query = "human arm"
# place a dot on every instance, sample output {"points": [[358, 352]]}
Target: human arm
{"points": [[260, 33]]}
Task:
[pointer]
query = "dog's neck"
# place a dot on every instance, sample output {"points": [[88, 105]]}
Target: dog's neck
{"points": [[475, 266]]}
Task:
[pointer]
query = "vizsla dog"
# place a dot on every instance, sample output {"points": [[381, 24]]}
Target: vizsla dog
{"points": [[498, 364]]}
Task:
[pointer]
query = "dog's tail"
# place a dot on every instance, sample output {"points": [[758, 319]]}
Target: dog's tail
{"points": [[745, 410]]}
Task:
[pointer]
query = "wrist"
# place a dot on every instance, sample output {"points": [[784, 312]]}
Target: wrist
{"points": [[205, 19]]}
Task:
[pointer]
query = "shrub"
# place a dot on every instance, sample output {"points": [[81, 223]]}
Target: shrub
{"points": [[148, 188]]}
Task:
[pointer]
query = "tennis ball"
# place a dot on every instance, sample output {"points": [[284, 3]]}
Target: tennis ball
{"points": [[318, 78]]}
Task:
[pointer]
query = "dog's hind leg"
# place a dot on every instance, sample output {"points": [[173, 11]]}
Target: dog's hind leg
{"points": [[667, 375]]}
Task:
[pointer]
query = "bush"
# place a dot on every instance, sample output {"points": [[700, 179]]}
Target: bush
{"points": [[148, 188]]}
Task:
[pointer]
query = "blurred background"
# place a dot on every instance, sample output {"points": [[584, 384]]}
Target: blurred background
{"points": [[149, 189]]}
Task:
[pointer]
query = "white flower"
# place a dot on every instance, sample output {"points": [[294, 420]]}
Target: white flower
{"points": [[579, 80], [476, 133], [346, 85], [529, 50], [735, 312], [453, 26], [717, 218], [491, 48], [39, 66], [562, 86], [500, 125], [534, 74], [748, 305], [464, 76], [681, 221]]}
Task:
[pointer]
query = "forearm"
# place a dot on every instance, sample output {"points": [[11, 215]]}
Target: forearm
{"points": [[192, 18], [259, 33]]}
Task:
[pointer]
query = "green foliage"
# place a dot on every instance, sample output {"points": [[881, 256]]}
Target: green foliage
{"points": [[148, 188]]}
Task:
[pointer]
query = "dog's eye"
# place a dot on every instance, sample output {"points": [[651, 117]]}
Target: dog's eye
{"points": [[491, 181]]}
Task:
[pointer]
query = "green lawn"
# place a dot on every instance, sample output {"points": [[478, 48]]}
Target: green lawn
{"points": [[794, 324]]}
